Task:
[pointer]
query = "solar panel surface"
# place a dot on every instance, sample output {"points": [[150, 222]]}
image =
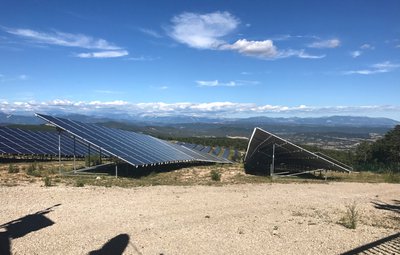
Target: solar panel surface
{"points": [[26, 142], [133, 148]]}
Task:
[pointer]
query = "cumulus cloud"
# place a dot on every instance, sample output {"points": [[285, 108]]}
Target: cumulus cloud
{"points": [[356, 53], [202, 31], [103, 54], [208, 31], [383, 67], [322, 44], [215, 109], [261, 49], [71, 40]]}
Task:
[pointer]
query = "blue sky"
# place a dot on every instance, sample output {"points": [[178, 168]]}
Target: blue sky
{"points": [[204, 58]]}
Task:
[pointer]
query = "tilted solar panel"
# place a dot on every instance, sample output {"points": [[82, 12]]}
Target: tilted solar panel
{"points": [[226, 153], [26, 142], [133, 148], [268, 153]]}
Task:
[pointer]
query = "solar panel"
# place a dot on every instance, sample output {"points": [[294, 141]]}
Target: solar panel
{"points": [[133, 148], [26, 142], [206, 149], [270, 154], [226, 153], [216, 151]]}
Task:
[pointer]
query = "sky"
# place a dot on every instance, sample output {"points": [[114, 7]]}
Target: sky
{"points": [[201, 58]]}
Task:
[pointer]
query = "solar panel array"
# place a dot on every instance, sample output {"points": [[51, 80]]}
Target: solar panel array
{"points": [[17, 141], [217, 150], [266, 148], [133, 148]]}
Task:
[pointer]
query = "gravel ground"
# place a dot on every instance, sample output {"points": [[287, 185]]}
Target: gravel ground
{"points": [[233, 219]]}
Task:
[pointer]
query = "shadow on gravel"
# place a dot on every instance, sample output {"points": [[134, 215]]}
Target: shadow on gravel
{"points": [[23, 226], [387, 245], [114, 246], [395, 207]]}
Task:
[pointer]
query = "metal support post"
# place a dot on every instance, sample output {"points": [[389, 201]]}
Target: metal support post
{"points": [[116, 171], [273, 160], [89, 155], [74, 155], [59, 151]]}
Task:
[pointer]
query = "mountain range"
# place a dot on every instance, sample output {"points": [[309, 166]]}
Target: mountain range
{"points": [[330, 121]]}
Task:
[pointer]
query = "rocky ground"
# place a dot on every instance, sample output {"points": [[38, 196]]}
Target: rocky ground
{"points": [[275, 218]]}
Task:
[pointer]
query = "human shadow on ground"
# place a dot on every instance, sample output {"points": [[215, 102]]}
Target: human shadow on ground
{"points": [[387, 245], [115, 246], [395, 207], [23, 226]]}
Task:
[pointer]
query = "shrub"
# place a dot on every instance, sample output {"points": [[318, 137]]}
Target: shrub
{"points": [[31, 169], [47, 181], [392, 177], [12, 169], [79, 183], [215, 175], [351, 217]]}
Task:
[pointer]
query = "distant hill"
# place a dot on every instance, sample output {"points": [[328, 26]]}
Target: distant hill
{"points": [[331, 121], [324, 121]]}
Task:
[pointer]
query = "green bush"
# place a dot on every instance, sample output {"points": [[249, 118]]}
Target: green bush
{"points": [[31, 169], [215, 175], [94, 160], [12, 169], [351, 217], [79, 183], [47, 181]]}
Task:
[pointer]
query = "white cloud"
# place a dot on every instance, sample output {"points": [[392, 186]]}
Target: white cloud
{"points": [[150, 32], [367, 46], [266, 50], [332, 43], [63, 39], [202, 31], [103, 54], [142, 58], [207, 31], [108, 92], [215, 109], [216, 83], [108, 50], [383, 67], [21, 77], [356, 53], [261, 49]]}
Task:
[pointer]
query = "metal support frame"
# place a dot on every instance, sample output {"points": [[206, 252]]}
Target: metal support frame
{"points": [[89, 155], [273, 160], [74, 156], [59, 151], [116, 170]]}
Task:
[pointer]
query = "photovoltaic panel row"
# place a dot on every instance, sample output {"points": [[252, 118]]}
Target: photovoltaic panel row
{"points": [[133, 148], [26, 142], [204, 152], [203, 156], [266, 150]]}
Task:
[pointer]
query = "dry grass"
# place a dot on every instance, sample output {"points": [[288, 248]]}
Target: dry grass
{"points": [[28, 172]]}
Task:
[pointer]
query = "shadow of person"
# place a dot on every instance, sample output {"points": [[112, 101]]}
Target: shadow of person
{"points": [[23, 226], [114, 246]]}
